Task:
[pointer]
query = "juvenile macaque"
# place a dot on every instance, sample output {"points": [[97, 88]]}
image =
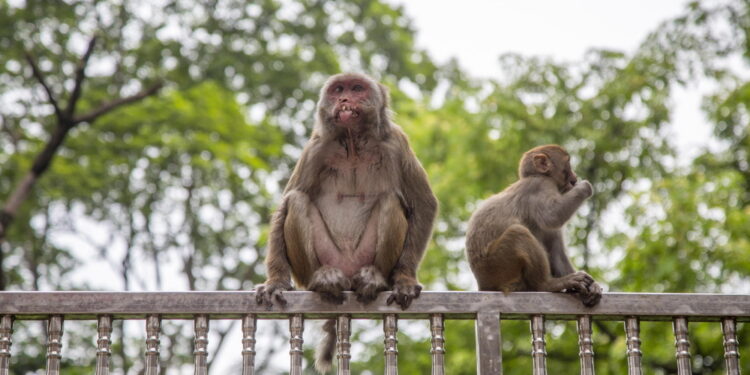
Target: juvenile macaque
{"points": [[357, 211], [514, 241]]}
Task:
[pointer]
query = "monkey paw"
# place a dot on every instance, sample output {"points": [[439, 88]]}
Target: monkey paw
{"points": [[577, 282], [591, 296], [404, 292], [585, 187], [330, 283], [266, 293], [367, 283]]}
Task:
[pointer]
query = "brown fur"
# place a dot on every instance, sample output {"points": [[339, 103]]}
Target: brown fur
{"points": [[357, 211], [514, 240]]}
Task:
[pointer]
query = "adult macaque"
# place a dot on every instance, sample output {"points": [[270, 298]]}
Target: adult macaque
{"points": [[514, 241], [357, 211]]}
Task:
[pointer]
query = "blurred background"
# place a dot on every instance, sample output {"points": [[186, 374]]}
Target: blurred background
{"points": [[171, 151]]}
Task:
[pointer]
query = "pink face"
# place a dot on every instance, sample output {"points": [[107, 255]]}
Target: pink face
{"points": [[347, 98]]}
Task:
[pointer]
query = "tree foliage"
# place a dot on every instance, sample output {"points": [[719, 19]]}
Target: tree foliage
{"points": [[175, 191]]}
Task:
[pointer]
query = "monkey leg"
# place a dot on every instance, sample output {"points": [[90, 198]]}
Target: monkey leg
{"points": [[516, 261], [302, 222], [391, 235], [383, 238]]}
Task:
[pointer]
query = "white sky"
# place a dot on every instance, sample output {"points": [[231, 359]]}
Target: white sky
{"points": [[477, 32]]}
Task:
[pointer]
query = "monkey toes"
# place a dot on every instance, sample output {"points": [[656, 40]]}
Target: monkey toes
{"points": [[330, 283], [577, 282], [268, 292], [404, 292], [367, 283], [592, 295]]}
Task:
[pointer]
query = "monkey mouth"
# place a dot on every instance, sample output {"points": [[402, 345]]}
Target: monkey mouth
{"points": [[346, 114]]}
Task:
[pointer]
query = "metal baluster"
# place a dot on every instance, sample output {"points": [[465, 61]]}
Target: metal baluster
{"points": [[731, 346], [632, 330], [390, 328], [6, 340], [103, 345], [438, 344], [249, 326], [343, 331], [488, 337], [682, 346], [153, 325], [585, 345], [54, 344], [296, 327], [200, 353], [538, 351]]}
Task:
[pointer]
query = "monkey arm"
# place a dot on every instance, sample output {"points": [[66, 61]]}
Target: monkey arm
{"points": [[278, 269], [421, 208], [558, 259], [553, 209]]}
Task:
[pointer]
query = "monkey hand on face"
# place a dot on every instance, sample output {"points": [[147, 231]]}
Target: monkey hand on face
{"points": [[514, 240], [357, 211]]}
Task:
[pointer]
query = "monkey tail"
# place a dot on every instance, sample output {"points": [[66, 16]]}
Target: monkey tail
{"points": [[326, 347]]}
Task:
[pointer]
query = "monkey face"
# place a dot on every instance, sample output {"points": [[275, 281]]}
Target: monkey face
{"points": [[349, 102], [567, 178]]}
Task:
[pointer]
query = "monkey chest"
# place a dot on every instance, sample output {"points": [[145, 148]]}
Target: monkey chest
{"points": [[350, 189]]}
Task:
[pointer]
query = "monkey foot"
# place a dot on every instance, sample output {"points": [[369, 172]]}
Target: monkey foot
{"points": [[330, 283], [404, 292], [270, 291], [591, 296], [367, 283], [577, 282]]}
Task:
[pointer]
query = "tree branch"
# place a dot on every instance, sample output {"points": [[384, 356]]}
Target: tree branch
{"points": [[107, 107], [80, 76], [40, 78]]}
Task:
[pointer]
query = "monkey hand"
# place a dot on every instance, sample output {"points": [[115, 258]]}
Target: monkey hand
{"points": [[367, 283], [330, 283], [266, 293], [405, 290], [585, 188]]}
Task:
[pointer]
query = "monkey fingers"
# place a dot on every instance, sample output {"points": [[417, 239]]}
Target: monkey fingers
{"points": [[266, 293], [367, 283], [404, 293], [330, 283]]}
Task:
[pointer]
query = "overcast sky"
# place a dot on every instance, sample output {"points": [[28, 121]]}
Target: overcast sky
{"points": [[476, 32]]}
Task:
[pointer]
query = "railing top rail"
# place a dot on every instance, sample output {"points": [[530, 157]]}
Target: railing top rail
{"points": [[454, 305]]}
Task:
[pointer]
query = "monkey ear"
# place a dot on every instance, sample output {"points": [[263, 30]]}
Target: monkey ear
{"points": [[384, 95], [542, 163]]}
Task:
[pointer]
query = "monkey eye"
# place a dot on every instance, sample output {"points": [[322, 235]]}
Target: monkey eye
{"points": [[338, 88], [358, 88]]}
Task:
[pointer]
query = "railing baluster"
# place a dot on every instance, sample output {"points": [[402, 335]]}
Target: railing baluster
{"points": [[731, 346], [200, 353], [632, 330], [682, 346], [153, 326], [538, 351], [438, 344], [296, 327], [390, 328], [343, 331], [249, 326], [54, 344], [103, 344], [489, 359], [6, 340], [585, 345]]}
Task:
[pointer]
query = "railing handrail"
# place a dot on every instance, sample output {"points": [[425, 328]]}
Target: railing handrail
{"points": [[76, 305]]}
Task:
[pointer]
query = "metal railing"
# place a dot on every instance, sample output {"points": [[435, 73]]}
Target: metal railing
{"points": [[486, 308]]}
